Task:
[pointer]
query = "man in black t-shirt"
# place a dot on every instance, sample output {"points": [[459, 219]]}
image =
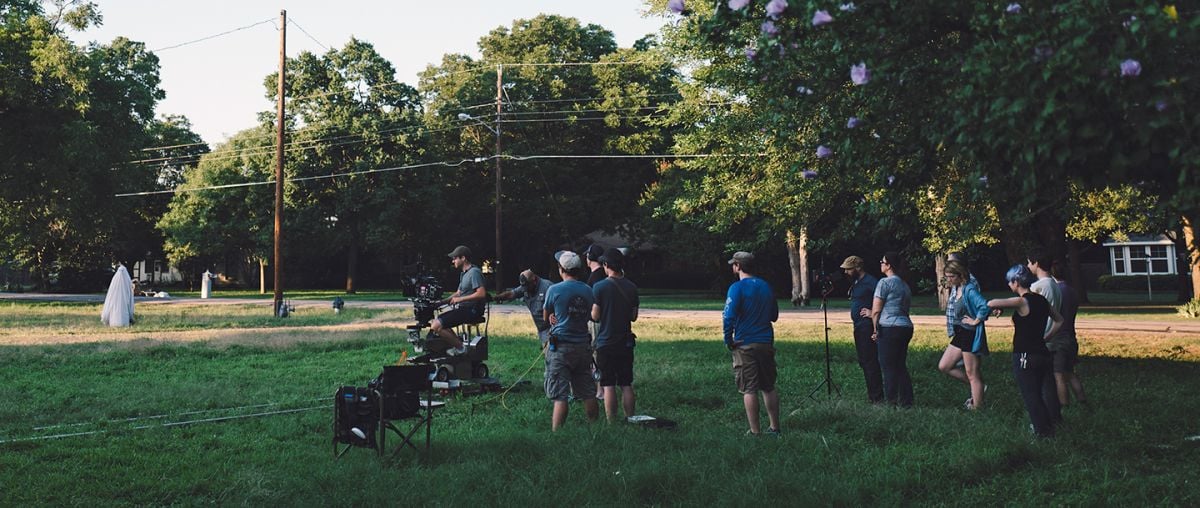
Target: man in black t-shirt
{"points": [[592, 254], [615, 308]]}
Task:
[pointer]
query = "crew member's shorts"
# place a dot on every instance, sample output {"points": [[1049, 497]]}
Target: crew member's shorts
{"points": [[569, 372], [754, 368], [963, 338], [1065, 357], [615, 364], [455, 317]]}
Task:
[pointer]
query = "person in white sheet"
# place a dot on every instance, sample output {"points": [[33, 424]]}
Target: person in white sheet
{"points": [[118, 303]]}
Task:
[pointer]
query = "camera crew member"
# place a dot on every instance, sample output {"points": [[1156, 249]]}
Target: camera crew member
{"points": [[532, 290], [468, 300], [862, 290]]}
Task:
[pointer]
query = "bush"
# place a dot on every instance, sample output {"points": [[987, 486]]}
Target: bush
{"points": [[1190, 309], [1138, 282]]}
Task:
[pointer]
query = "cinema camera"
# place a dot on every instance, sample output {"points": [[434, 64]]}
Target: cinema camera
{"points": [[469, 365]]}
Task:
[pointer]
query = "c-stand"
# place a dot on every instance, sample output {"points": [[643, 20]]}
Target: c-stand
{"points": [[826, 289]]}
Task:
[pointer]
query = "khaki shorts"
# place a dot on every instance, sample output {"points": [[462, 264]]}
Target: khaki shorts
{"points": [[754, 368], [569, 372]]}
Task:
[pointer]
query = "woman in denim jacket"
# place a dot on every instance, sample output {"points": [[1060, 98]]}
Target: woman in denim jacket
{"points": [[966, 310]]}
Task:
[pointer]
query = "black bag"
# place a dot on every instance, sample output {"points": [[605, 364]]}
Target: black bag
{"points": [[400, 388], [355, 409]]}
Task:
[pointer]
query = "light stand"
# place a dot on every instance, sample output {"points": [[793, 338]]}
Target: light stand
{"points": [[830, 386]]}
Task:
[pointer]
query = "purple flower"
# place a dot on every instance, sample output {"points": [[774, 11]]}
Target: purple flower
{"points": [[853, 122], [1131, 68], [776, 7], [803, 90], [738, 5], [768, 28], [676, 6], [823, 152], [859, 74], [1161, 105], [891, 179], [751, 53], [1129, 22], [809, 174], [821, 18], [847, 7], [1013, 8]]}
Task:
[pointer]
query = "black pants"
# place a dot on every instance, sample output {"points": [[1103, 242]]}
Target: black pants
{"points": [[893, 360], [868, 359], [1035, 379]]}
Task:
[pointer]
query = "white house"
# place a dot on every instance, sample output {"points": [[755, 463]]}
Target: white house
{"points": [[1142, 255]]}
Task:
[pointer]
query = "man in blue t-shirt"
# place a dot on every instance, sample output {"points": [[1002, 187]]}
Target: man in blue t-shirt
{"points": [[862, 293], [569, 355], [467, 303], [750, 308], [615, 308]]}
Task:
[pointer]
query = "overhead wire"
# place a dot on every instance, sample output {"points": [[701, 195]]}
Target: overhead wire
{"points": [[214, 36], [439, 163], [293, 22]]}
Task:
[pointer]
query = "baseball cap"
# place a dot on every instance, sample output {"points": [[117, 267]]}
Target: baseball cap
{"points": [[613, 257], [461, 250], [742, 258], [568, 260], [593, 252], [852, 262]]}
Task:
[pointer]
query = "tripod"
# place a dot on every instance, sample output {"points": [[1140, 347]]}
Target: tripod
{"points": [[830, 386]]}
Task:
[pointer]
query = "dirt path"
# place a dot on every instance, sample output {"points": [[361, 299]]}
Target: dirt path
{"points": [[282, 335]]}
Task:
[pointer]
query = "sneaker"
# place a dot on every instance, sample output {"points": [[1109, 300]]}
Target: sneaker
{"points": [[456, 351], [773, 433], [969, 404], [751, 433]]}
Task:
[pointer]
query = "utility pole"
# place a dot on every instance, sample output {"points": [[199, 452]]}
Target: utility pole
{"points": [[499, 103], [279, 137]]}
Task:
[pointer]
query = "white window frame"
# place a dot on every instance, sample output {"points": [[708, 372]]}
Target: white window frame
{"points": [[1123, 265]]}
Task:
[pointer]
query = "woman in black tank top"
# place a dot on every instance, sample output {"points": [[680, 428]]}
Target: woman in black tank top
{"points": [[1032, 364]]}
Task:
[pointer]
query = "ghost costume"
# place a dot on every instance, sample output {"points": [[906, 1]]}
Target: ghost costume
{"points": [[118, 304]]}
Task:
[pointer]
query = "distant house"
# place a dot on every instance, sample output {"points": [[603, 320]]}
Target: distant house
{"points": [[1142, 255], [155, 271]]}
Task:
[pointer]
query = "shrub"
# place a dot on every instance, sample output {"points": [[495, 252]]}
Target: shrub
{"points": [[1138, 282], [1190, 309]]}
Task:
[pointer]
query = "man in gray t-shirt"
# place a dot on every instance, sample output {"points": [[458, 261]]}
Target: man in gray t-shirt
{"points": [[533, 291], [467, 303]]}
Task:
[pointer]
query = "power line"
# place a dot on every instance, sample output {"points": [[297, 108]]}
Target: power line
{"points": [[310, 36], [214, 36], [441, 163]]}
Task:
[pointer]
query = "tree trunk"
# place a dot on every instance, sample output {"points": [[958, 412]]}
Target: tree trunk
{"points": [[351, 262], [262, 276], [797, 247], [943, 290], [1190, 223], [1052, 233], [1075, 271]]}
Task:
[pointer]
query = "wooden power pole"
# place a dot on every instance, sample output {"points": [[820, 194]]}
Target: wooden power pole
{"points": [[279, 138], [499, 103]]}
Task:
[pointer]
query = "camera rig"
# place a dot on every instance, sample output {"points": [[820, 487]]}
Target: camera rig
{"points": [[434, 349]]}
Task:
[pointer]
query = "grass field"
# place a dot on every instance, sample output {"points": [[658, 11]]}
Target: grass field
{"points": [[1127, 447]]}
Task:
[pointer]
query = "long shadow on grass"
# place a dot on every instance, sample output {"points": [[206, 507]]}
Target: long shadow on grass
{"points": [[837, 450]]}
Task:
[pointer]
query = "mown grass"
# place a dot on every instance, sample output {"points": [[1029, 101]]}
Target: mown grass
{"points": [[1126, 448], [23, 318]]}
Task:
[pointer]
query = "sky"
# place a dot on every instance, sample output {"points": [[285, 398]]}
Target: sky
{"points": [[218, 83]]}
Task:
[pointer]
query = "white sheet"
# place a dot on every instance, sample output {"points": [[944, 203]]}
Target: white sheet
{"points": [[118, 304]]}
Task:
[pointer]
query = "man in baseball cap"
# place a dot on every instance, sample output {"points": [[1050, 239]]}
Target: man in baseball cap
{"points": [[469, 300], [568, 309], [862, 293]]}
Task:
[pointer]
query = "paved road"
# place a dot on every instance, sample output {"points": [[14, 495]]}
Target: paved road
{"points": [[814, 316]]}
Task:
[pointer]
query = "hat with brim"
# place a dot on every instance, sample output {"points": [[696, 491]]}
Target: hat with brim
{"points": [[741, 258], [461, 250], [852, 262]]}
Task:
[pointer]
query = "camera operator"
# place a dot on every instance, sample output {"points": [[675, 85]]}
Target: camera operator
{"points": [[468, 300], [532, 290], [862, 290]]}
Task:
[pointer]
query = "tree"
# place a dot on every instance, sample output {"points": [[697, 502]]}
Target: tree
{"points": [[567, 91], [354, 118], [69, 117]]}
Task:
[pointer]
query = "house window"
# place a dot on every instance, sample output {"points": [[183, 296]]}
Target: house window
{"points": [[1142, 259]]}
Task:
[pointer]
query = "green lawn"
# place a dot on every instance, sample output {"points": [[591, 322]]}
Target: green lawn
{"points": [[1127, 448]]}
